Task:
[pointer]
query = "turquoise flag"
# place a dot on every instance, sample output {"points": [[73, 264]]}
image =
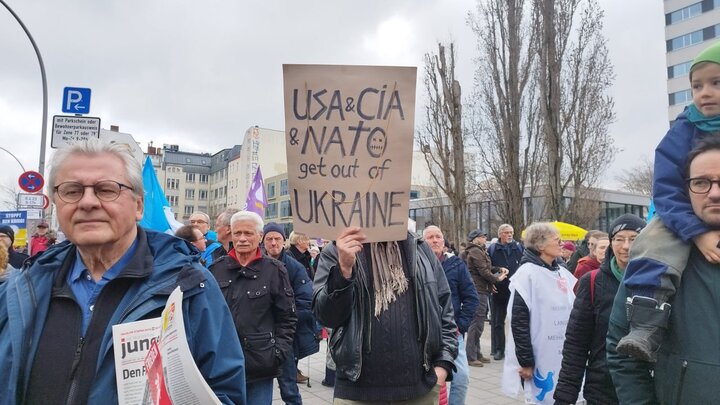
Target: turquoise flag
{"points": [[154, 216]]}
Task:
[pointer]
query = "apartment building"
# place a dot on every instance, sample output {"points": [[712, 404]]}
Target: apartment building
{"points": [[690, 26]]}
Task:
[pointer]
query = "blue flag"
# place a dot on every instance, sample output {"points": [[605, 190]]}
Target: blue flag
{"points": [[156, 205], [651, 211]]}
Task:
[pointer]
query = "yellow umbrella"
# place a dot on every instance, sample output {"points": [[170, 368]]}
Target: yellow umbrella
{"points": [[567, 231]]}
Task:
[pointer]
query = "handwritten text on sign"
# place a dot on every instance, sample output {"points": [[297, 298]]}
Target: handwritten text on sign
{"points": [[349, 136]]}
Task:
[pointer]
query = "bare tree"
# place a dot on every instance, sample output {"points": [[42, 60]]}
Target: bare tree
{"points": [[577, 109], [639, 179], [504, 109], [9, 197], [441, 139]]}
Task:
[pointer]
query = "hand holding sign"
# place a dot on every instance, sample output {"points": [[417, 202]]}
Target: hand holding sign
{"points": [[349, 244]]}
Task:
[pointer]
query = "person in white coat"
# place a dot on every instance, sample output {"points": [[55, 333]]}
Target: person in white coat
{"points": [[541, 298]]}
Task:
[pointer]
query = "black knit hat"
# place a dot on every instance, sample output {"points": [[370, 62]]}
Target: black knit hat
{"points": [[273, 227], [626, 222], [9, 232]]}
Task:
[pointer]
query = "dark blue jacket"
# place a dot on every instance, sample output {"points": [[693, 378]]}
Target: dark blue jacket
{"points": [[465, 300], [669, 190], [507, 256], [211, 335], [305, 342]]}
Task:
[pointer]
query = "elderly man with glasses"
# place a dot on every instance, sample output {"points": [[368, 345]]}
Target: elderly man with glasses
{"points": [[56, 316]]}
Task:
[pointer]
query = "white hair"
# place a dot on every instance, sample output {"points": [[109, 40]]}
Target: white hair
{"points": [[94, 147], [248, 216]]}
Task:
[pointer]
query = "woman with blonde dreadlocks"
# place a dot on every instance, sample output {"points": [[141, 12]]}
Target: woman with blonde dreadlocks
{"points": [[389, 305]]}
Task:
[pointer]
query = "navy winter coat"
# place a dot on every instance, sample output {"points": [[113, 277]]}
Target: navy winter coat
{"points": [[465, 299], [305, 342]]}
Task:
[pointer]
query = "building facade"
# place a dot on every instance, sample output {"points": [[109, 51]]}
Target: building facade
{"points": [[482, 212], [690, 26]]}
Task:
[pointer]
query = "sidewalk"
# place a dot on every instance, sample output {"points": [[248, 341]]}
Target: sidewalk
{"points": [[484, 381]]}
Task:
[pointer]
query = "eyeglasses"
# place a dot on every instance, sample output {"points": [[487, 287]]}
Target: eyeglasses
{"points": [[106, 190], [699, 185], [622, 241], [197, 221]]}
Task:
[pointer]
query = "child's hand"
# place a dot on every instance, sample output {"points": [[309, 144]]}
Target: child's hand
{"points": [[708, 245]]}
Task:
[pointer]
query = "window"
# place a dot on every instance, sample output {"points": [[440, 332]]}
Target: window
{"points": [[188, 210], [271, 211], [190, 177], [285, 210], [173, 184], [414, 194], [679, 70], [284, 187], [172, 200], [203, 179], [683, 13], [189, 194], [202, 194], [680, 97], [270, 190], [683, 41]]}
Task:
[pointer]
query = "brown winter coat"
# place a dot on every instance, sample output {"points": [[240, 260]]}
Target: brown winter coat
{"points": [[480, 267]]}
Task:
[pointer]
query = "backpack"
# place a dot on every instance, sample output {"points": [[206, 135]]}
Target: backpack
{"points": [[593, 276]]}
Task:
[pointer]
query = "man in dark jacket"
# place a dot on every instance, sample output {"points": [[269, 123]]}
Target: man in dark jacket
{"points": [[57, 314], [304, 342], [465, 302], [506, 253], [258, 292], [299, 248], [389, 305], [485, 276], [584, 348], [7, 238], [688, 359]]}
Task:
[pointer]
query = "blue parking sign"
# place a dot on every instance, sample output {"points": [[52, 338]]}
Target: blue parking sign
{"points": [[76, 100]]}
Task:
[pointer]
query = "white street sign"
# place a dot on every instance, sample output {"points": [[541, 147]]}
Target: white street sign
{"points": [[31, 200], [34, 213], [69, 130]]}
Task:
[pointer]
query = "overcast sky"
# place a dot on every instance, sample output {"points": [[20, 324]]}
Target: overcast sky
{"points": [[199, 73]]}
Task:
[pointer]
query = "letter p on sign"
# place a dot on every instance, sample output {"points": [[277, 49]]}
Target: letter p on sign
{"points": [[76, 100]]}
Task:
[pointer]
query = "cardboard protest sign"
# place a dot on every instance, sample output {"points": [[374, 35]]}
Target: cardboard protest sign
{"points": [[349, 137]]}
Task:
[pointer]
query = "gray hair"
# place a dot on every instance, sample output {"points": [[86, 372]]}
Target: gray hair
{"points": [[503, 227], [205, 216], [225, 216], [248, 216], [431, 228], [538, 234], [94, 147]]}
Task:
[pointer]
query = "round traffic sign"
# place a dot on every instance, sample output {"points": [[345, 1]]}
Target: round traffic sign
{"points": [[31, 181], [46, 202]]}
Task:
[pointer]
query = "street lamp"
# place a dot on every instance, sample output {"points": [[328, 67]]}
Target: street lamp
{"points": [[14, 157], [41, 163]]}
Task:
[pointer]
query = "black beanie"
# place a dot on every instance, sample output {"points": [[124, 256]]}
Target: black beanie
{"points": [[9, 232], [626, 222], [273, 227]]}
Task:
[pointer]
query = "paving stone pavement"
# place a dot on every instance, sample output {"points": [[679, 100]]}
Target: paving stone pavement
{"points": [[484, 381]]}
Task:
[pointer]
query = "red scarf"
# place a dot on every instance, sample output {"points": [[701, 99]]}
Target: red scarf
{"points": [[258, 256]]}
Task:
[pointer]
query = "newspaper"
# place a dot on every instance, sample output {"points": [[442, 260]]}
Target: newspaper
{"points": [[153, 362]]}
